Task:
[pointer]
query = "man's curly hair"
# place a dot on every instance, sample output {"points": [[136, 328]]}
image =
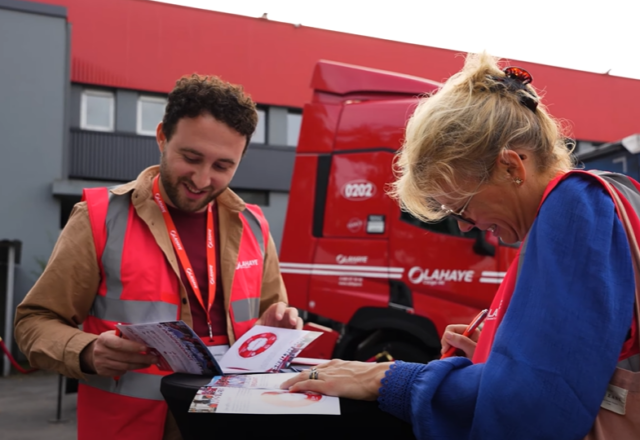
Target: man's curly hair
{"points": [[194, 95]]}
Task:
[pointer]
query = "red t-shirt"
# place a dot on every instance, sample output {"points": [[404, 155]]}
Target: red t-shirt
{"points": [[192, 228]]}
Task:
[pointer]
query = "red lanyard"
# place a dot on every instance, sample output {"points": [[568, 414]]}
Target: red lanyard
{"points": [[182, 254]]}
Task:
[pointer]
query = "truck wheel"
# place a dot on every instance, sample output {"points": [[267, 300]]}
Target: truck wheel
{"points": [[400, 346]]}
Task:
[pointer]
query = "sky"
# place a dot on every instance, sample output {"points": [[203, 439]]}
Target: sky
{"points": [[596, 36]]}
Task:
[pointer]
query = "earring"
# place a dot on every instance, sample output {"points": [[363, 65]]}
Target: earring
{"points": [[518, 181]]}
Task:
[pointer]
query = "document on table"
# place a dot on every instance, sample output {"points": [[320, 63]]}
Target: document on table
{"points": [[259, 381], [262, 401]]}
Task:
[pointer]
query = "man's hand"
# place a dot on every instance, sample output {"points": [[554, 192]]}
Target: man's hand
{"points": [[279, 315], [452, 337], [112, 356]]}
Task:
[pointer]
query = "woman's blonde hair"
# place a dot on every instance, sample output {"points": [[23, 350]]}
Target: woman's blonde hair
{"points": [[457, 135]]}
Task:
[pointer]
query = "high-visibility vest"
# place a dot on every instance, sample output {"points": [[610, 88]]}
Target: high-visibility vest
{"points": [[629, 192], [138, 285]]}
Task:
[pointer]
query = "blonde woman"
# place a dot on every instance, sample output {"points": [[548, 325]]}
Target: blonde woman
{"points": [[485, 151]]}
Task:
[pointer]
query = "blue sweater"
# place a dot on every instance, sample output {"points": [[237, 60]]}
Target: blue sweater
{"points": [[557, 346]]}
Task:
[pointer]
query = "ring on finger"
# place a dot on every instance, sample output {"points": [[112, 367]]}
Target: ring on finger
{"points": [[313, 374]]}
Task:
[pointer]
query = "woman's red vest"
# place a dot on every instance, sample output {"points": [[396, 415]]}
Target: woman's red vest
{"points": [[629, 192]]}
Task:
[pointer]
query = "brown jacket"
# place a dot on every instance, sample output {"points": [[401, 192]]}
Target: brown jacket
{"points": [[46, 325]]}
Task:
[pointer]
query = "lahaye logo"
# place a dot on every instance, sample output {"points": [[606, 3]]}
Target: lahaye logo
{"points": [[246, 264], [355, 224], [351, 259], [437, 277], [191, 276], [176, 239], [160, 203], [358, 190], [493, 313], [212, 278]]}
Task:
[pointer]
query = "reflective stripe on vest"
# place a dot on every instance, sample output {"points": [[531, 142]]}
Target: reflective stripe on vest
{"points": [[248, 309], [256, 228], [132, 384], [111, 307], [247, 280]]}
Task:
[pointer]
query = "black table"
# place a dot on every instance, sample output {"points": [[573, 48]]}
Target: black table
{"points": [[358, 419]]}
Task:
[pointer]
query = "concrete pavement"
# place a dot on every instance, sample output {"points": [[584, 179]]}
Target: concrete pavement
{"points": [[29, 402]]}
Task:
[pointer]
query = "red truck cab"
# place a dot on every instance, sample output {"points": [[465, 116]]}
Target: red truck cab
{"points": [[349, 257]]}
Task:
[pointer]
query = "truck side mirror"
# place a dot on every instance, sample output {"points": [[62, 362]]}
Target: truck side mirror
{"points": [[482, 247]]}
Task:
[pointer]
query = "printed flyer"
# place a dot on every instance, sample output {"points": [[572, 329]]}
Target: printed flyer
{"points": [[266, 349], [177, 346], [262, 349], [259, 381], [262, 401]]}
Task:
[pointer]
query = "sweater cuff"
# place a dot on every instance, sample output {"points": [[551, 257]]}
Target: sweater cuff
{"points": [[72, 353], [396, 389]]}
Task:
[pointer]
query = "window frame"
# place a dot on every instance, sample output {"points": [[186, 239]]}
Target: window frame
{"points": [[294, 112], [264, 125], [83, 110], [141, 99]]}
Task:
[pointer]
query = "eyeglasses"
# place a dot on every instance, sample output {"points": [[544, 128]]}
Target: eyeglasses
{"points": [[458, 215]]}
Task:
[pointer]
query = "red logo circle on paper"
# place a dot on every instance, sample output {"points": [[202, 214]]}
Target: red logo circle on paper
{"points": [[257, 344]]}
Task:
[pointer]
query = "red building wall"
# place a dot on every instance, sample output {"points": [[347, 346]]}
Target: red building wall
{"points": [[144, 45]]}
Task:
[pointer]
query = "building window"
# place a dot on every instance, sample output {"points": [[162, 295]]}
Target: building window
{"points": [[260, 135], [150, 114], [294, 121], [97, 110]]}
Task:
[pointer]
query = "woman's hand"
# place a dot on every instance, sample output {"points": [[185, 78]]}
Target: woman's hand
{"points": [[353, 380], [452, 337]]}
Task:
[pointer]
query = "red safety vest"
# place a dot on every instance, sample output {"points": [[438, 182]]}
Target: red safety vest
{"points": [[138, 285], [629, 192]]}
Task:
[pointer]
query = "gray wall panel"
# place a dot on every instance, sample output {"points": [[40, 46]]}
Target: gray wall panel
{"points": [[34, 8], [33, 73], [109, 156], [120, 157], [265, 167], [275, 214], [126, 111]]}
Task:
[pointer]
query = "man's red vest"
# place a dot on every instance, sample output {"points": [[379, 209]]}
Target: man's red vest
{"points": [[139, 285], [629, 192]]}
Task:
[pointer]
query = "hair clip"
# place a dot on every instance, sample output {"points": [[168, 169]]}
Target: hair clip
{"points": [[517, 78], [518, 74]]}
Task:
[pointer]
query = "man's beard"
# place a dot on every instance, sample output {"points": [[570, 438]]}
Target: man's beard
{"points": [[171, 188]]}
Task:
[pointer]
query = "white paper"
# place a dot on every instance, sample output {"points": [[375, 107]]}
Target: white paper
{"points": [[265, 349], [256, 381], [256, 401], [217, 351], [262, 349], [308, 361]]}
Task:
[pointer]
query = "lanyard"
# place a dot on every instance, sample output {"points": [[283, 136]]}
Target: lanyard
{"points": [[182, 254]]}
